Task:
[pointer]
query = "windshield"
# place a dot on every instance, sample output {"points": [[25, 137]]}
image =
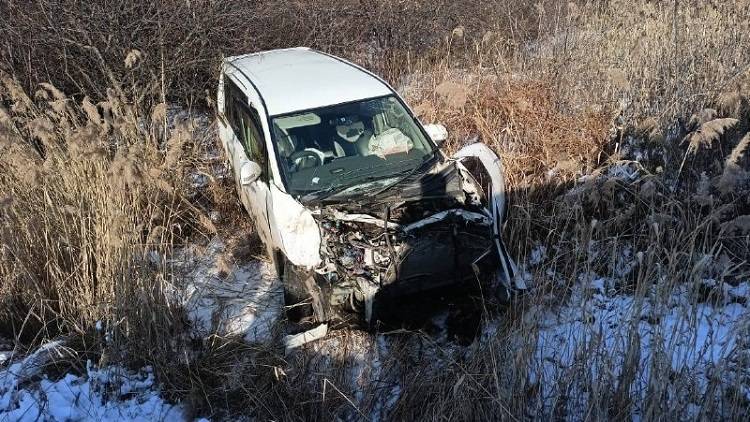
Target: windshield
{"points": [[331, 148]]}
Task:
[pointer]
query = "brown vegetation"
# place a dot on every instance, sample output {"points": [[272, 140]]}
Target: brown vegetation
{"points": [[94, 197], [622, 125]]}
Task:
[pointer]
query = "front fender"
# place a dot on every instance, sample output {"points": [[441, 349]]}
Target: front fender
{"points": [[494, 167], [296, 232]]}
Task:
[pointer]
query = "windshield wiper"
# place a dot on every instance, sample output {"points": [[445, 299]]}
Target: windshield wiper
{"points": [[334, 187], [367, 172], [406, 176]]}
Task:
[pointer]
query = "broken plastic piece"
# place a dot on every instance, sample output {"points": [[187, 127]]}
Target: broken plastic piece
{"points": [[294, 341], [467, 215], [494, 167]]}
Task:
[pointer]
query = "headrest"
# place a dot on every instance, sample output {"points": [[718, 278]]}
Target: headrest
{"points": [[351, 132]]}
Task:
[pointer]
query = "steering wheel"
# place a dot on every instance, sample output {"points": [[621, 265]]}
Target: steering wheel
{"points": [[307, 158]]}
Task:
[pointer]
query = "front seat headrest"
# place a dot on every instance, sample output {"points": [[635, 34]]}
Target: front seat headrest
{"points": [[350, 132]]}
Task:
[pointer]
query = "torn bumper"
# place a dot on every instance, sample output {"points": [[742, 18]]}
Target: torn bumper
{"points": [[370, 259], [507, 274], [367, 263]]}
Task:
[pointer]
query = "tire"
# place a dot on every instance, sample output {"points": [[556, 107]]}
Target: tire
{"points": [[297, 300], [277, 260]]}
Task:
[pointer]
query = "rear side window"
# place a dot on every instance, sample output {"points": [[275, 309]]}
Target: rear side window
{"points": [[250, 135], [245, 123], [233, 97]]}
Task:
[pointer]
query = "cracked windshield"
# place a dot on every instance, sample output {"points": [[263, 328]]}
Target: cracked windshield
{"points": [[330, 149]]}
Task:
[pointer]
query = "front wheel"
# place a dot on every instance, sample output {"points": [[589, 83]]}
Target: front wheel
{"points": [[301, 299], [297, 301]]}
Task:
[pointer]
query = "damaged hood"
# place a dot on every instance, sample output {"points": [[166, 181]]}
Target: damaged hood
{"points": [[402, 199], [408, 233]]}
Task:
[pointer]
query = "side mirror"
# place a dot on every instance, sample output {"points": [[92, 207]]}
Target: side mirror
{"points": [[438, 133], [249, 172]]}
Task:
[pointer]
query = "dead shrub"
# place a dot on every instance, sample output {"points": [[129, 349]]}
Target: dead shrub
{"points": [[85, 227], [521, 120], [174, 48]]}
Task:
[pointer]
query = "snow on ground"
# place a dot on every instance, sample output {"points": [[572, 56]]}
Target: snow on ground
{"points": [[600, 330], [369, 376], [239, 299], [537, 255], [593, 334], [243, 299], [107, 394], [594, 328]]}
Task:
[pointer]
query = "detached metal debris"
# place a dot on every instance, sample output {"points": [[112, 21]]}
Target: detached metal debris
{"points": [[294, 341]]}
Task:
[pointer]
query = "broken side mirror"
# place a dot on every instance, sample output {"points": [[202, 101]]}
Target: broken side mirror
{"points": [[249, 172], [437, 132]]}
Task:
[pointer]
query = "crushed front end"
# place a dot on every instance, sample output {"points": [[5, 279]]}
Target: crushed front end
{"points": [[433, 231]]}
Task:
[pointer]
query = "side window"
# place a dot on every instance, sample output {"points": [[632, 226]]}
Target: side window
{"points": [[232, 96], [251, 136]]}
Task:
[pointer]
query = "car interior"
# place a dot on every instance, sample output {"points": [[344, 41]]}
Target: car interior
{"points": [[341, 138]]}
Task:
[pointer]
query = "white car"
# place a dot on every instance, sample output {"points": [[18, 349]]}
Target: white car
{"points": [[349, 192]]}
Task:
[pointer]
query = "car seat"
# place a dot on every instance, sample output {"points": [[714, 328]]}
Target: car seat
{"points": [[353, 139]]}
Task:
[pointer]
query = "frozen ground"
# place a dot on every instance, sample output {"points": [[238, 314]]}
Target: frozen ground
{"points": [[229, 298], [699, 346], [703, 342], [107, 394]]}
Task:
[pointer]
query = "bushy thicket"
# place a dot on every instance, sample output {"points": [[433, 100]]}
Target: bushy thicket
{"points": [[79, 46], [622, 126], [93, 197]]}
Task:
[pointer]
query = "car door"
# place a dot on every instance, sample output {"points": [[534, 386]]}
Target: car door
{"points": [[244, 143], [250, 146]]}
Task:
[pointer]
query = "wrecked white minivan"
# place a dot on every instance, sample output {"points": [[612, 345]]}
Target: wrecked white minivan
{"points": [[349, 192]]}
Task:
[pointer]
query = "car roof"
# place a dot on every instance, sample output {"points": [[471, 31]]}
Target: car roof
{"points": [[296, 79]]}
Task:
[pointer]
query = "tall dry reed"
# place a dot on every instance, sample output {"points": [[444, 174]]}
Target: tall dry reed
{"points": [[93, 198]]}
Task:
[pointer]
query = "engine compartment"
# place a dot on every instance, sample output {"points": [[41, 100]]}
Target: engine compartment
{"points": [[417, 238]]}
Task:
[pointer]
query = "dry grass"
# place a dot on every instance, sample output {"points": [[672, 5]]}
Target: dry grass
{"points": [[623, 126], [642, 59], [93, 201], [520, 120]]}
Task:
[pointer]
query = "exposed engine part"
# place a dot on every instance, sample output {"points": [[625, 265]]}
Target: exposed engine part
{"points": [[362, 258], [436, 230]]}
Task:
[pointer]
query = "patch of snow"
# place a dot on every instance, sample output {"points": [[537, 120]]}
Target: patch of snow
{"points": [[598, 329], [741, 291], [30, 365], [623, 170], [247, 300], [199, 180], [625, 262], [371, 375], [389, 391], [111, 393], [538, 254]]}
